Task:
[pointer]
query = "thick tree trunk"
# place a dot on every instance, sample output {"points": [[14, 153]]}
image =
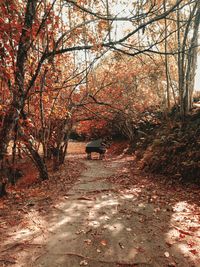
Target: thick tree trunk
{"points": [[40, 164], [187, 57], [8, 125], [62, 160], [192, 63], [62, 143], [64, 150], [17, 105], [61, 150]]}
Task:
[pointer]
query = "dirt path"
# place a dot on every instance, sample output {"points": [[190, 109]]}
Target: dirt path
{"points": [[104, 224]]}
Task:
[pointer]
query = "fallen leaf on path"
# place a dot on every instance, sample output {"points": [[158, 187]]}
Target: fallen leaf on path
{"points": [[194, 251], [79, 232], [194, 228], [181, 235], [83, 263], [182, 231], [121, 246], [140, 249], [191, 244], [169, 243], [88, 241], [141, 220], [171, 264], [103, 242], [166, 254], [141, 205]]}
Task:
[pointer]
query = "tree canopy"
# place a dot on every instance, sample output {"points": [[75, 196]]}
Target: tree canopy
{"points": [[65, 63]]}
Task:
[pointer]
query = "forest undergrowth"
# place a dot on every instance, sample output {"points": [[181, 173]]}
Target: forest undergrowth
{"points": [[173, 148]]}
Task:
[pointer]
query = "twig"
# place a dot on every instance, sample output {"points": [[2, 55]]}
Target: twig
{"points": [[23, 244], [86, 198], [32, 264], [11, 247], [101, 191], [185, 232], [8, 261]]}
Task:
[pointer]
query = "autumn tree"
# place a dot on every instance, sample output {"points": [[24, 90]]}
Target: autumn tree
{"points": [[47, 55]]}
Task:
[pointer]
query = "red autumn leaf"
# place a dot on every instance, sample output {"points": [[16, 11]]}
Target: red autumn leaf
{"points": [[194, 251], [193, 228], [191, 244], [181, 235]]}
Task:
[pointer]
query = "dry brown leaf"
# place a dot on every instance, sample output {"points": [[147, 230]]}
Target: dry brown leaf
{"points": [[103, 242]]}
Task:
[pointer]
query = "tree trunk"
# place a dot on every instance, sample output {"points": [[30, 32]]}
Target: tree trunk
{"points": [[17, 105], [64, 150], [42, 118], [166, 61], [192, 63], [8, 125], [40, 164], [180, 69], [3, 189]]}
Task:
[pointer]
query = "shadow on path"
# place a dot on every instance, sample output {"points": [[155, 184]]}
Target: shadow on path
{"points": [[101, 224]]}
